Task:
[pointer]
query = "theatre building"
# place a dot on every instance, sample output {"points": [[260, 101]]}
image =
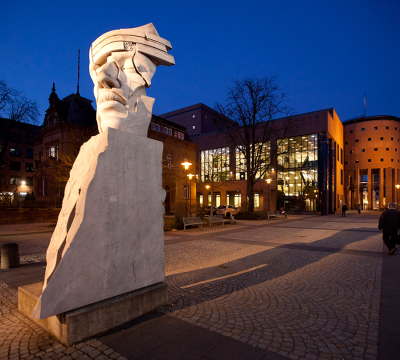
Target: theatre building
{"points": [[306, 176], [372, 161]]}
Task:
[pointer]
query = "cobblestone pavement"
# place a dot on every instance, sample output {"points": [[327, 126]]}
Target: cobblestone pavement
{"points": [[305, 288]]}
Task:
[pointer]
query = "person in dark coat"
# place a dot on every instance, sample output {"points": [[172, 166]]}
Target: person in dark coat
{"points": [[344, 209], [389, 222]]}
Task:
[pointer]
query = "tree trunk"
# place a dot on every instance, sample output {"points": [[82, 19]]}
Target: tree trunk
{"points": [[250, 195], [211, 207]]}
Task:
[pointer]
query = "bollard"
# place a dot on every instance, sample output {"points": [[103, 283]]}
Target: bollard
{"points": [[9, 256]]}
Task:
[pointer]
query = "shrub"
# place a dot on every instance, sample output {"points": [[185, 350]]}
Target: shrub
{"points": [[169, 224], [179, 212], [201, 211]]}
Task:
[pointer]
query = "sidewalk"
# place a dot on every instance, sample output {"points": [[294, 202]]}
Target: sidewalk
{"points": [[308, 287]]}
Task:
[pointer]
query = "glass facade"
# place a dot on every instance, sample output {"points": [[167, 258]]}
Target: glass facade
{"points": [[262, 156], [297, 176], [214, 165]]}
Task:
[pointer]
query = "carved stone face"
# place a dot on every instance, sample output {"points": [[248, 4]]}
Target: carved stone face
{"points": [[119, 80]]}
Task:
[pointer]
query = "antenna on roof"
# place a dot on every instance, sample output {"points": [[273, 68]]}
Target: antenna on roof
{"points": [[79, 68], [365, 107]]}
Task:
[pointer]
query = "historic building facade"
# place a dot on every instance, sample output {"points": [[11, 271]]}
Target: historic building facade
{"points": [[70, 122], [17, 164]]}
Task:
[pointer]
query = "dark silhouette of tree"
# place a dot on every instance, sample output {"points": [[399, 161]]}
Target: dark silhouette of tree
{"points": [[253, 104], [14, 107]]}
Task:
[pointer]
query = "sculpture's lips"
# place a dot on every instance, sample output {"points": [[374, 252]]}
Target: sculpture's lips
{"points": [[110, 96]]}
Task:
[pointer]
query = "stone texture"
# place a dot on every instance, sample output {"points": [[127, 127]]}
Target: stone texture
{"points": [[109, 236], [75, 326]]}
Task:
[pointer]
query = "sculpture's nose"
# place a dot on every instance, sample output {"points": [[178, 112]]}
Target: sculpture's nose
{"points": [[107, 76]]}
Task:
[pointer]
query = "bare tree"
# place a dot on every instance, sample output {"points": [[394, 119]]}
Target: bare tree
{"points": [[253, 104], [14, 107]]}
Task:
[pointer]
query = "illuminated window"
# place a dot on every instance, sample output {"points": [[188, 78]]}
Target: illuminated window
{"points": [[201, 200], [217, 200], [256, 200], [53, 151], [238, 200], [15, 151], [15, 180], [214, 165]]}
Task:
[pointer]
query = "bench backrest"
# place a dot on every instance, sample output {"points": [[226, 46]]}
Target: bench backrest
{"points": [[216, 218], [191, 220], [271, 212]]}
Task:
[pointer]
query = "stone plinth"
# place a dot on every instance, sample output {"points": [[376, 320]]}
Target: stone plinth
{"points": [[76, 325]]}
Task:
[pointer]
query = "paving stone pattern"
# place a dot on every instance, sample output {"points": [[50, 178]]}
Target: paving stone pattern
{"points": [[310, 300]]}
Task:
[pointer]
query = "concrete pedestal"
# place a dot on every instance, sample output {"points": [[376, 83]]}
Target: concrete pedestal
{"points": [[76, 325]]}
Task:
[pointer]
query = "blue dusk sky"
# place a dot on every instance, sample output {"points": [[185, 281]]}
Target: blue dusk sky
{"points": [[324, 53]]}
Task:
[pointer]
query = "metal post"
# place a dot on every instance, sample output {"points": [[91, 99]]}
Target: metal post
{"points": [[190, 195]]}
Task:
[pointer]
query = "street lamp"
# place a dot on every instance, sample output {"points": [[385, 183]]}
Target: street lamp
{"points": [[190, 192], [269, 191], [397, 194], [186, 165]]}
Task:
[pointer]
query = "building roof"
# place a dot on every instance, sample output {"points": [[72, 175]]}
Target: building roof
{"points": [[370, 118]]}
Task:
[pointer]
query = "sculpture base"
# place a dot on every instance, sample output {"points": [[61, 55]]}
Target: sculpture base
{"points": [[76, 325]]}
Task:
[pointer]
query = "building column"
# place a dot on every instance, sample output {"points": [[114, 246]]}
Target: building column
{"points": [[357, 187], [323, 168], [332, 177], [370, 186], [223, 197], [381, 188]]}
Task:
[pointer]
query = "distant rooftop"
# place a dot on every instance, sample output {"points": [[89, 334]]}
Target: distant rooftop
{"points": [[369, 118]]}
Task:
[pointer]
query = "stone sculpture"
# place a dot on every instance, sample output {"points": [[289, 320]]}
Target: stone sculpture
{"points": [[122, 64], [109, 236]]}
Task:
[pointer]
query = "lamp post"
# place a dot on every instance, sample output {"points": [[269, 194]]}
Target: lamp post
{"points": [[397, 194], [190, 193], [211, 209], [269, 191], [186, 165]]}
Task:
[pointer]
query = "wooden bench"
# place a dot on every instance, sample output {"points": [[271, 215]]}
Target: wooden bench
{"points": [[188, 221], [272, 214], [217, 219]]}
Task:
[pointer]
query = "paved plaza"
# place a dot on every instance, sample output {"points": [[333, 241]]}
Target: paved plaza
{"points": [[306, 287]]}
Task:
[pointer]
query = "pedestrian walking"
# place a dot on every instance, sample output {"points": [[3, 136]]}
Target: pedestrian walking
{"points": [[389, 222], [344, 209], [359, 208]]}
